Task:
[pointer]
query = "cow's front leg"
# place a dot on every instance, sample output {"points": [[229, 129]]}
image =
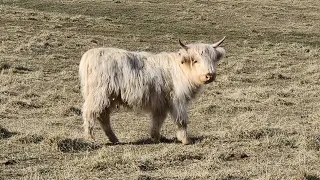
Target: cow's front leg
{"points": [[157, 121], [179, 114], [182, 134]]}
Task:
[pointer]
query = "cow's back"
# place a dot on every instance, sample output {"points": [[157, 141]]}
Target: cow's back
{"points": [[128, 75]]}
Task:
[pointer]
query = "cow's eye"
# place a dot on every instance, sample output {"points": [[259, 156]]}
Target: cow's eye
{"points": [[195, 61]]}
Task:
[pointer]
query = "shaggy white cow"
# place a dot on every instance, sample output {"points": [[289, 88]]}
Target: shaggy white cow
{"points": [[157, 83]]}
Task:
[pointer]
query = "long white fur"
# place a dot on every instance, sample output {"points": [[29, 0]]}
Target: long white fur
{"points": [[157, 83]]}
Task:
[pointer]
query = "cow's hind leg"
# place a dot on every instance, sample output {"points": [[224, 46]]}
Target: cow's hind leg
{"points": [[104, 121], [88, 121], [88, 126], [157, 122]]}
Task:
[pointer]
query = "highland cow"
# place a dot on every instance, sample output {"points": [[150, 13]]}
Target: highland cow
{"points": [[157, 83]]}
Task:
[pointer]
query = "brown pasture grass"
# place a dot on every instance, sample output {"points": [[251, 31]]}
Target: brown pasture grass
{"points": [[259, 121]]}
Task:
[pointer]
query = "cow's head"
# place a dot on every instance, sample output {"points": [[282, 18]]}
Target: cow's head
{"points": [[199, 61]]}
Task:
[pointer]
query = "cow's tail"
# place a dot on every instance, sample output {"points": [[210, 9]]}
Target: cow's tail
{"points": [[83, 75], [88, 115]]}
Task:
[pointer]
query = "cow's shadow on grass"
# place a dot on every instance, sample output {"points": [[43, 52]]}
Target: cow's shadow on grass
{"points": [[80, 145], [311, 177], [4, 133], [76, 145], [145, 141], [164, 140]]}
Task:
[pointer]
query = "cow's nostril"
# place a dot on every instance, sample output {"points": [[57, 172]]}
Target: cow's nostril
{"points": [[209, 77]]}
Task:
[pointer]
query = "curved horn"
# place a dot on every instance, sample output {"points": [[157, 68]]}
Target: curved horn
{"points": [[182, 45], [218, 43]]}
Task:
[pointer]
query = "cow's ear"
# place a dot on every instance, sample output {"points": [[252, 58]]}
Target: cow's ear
{"points": [[221, 52]]}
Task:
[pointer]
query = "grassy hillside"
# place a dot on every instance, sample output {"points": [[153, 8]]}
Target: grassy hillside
{"points": [[259, 121]]}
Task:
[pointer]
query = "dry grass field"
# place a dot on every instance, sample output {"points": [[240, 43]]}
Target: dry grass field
{"points": [[260, 120]]}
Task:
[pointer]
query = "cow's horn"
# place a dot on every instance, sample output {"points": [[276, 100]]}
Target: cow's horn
{"points": [[218, 43], [182, 45]]}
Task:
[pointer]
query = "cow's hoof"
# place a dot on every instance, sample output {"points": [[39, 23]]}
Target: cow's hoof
{"points": [[88, 136], [155, 140], [186, 141], [155, 137], [114, 140], [182, 136]]}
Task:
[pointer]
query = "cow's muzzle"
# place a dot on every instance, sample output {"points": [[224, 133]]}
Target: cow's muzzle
{"points": [[208, 78]]}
